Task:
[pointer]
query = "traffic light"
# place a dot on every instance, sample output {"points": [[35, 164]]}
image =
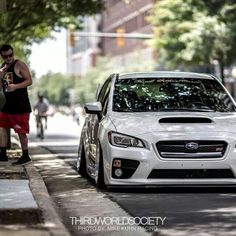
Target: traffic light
{"points": [[120, 40], [72, 38]]}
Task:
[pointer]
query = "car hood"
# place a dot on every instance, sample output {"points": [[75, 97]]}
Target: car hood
{"points": [[149, 122]]}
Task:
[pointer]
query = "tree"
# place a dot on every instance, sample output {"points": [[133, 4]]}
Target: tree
{"points": [[85, 87], [195, 32], [55, 87], [28, 21]]}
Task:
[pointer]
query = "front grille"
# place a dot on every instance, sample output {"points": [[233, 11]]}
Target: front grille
{"points": [[202, 149], [191, 174]]}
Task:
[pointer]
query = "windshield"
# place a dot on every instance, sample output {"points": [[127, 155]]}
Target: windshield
{"points": [[170, 94]]}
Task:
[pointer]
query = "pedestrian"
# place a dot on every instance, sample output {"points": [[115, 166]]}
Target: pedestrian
{"points": [[15, 78], [40, 109]]}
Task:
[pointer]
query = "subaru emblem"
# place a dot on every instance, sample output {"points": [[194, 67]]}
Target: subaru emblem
{"points": [[191, 146]]}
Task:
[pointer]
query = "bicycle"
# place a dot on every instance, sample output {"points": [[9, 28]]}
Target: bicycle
{"points": [[40, 126]]}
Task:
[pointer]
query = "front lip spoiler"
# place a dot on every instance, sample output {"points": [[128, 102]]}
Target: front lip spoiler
{"points": [[167, 186]]}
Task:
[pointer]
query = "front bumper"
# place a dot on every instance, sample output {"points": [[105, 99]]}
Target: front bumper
{"points": [[205, 171]]}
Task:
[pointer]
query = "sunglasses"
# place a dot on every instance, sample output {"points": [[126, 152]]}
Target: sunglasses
{"points": [[8, 55]]}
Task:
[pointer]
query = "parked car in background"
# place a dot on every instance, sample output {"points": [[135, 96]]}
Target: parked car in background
{"points": [[159, 129]]}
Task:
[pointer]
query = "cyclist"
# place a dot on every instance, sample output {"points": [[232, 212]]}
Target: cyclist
{"points": [[40, 111]]}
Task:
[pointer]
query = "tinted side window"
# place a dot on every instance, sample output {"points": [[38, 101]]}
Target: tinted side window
{"points": [[104, 91]]}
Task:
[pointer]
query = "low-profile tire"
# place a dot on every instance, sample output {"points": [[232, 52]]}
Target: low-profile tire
{"points": [[83, 168], [100, 178]]}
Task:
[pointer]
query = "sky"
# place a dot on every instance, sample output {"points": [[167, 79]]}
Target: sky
{"points": [[50, 55]]}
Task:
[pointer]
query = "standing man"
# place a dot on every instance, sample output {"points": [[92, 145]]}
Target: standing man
{"points": [[15, 78]]}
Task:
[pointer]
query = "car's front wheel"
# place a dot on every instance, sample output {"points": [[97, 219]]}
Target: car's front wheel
{"points": [[81, 163], [100, 170]]}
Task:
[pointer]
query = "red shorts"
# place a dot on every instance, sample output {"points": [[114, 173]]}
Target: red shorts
{"points": [[18, 122]]}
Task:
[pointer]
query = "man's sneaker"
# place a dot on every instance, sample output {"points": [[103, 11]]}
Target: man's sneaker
{"points": [[3, 158], [24, 160]]}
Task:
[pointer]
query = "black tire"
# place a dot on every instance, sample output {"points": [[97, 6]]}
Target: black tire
{"points": [[100, 179], [83, 168], [41, 131]]}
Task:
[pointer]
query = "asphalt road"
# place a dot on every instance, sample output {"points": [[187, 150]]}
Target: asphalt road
{"points": [[179, 211]]}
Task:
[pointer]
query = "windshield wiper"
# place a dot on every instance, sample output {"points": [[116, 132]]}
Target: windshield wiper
{"points": [[186, 109], [130, 110], [164, 109]]}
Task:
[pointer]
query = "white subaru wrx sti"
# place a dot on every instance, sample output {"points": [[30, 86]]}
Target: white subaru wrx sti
{"points": [[159, 129]]}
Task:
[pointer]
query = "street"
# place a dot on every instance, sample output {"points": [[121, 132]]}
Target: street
{"points": [[181, 211]]}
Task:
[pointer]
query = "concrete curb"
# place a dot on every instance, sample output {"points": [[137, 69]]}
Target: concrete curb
{"points": [[50, 216], [31, 215], [51, 219]]}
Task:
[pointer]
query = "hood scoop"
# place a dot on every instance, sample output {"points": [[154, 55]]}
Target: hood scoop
{"points": [[169, 120]]}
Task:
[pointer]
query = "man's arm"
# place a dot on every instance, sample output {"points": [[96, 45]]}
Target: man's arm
{"points": [[22, 70], [2, 72]]}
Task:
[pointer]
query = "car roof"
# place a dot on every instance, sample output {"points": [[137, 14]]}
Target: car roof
{"points": [[165, 74]]}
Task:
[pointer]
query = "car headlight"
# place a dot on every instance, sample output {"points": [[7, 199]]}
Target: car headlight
{"points": [[122, 140]]}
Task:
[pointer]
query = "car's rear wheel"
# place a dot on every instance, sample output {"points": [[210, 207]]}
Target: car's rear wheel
{"points": [[100, 174], [82, 168]]}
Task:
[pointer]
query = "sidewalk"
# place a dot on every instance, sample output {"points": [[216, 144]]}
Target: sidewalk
{"points": [[25, 206]]}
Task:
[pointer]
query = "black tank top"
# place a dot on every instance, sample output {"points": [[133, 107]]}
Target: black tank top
{"points": [[17, 101]]}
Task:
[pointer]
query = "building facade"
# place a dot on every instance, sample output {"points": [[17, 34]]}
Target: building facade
{"points": [[83, 53], [129, 16]]}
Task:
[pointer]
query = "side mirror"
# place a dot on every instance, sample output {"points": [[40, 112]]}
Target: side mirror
{"points": [[93, 108]]}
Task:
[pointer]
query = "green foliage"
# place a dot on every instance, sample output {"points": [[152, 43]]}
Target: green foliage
{"points": [[58, 88], [85, 86], [67, 90], [194, 32], [207, 40], [28, 21], [138, 63], [55, 87]]}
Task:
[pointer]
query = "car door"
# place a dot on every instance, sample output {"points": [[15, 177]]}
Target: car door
{"points": [[94, 121]]}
